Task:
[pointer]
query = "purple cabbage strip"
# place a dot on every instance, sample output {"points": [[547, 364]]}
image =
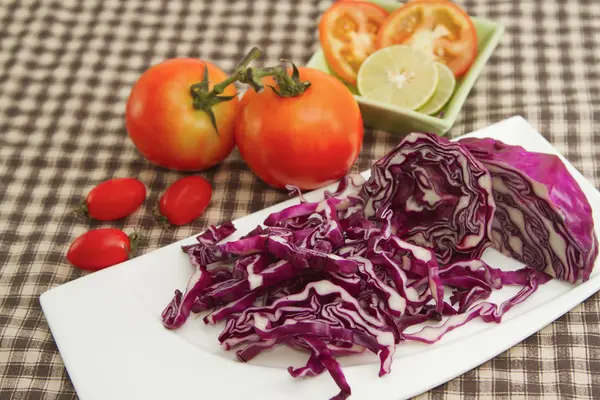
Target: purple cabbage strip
{"points": [[250, 265], [349, 186], [313, 367], [235, 307], [473, 273], [406, 321], [338, 348], [178, 310], [295, 191], [205, 255], [488, 312], [391, 249], [324, 355], [253, 349], [467, 297], [214, 235], [309, 258], [220, 274], [299, 210], [246, 246], [395, 302]]}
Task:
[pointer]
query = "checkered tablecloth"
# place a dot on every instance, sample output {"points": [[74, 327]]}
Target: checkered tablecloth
{"points": [[66, 68]]}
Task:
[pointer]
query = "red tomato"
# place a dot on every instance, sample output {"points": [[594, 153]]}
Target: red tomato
{"points": [[165, 127], [440, 28], [308, 141], [185, 200], [115, 198], [100, 248], [348, 33]]}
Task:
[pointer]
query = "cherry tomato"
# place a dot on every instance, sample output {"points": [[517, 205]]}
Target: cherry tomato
{"points": [[348, 33], [100, 248], [185, 200], [114, 199], [308, 141], [440, 28], [165, 127]]}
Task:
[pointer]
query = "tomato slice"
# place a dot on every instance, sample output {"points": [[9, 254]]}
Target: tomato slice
{"points": [[439, 27], [348, 34]]}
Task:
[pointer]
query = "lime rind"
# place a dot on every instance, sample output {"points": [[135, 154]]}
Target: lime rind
{"points": [[400, 75], [445, 89]]}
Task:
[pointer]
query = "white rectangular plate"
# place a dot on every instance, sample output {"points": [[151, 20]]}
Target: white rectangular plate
{"points": [[108, 328]]}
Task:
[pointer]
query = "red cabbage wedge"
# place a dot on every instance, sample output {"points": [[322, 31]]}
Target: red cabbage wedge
{"points": [[543, 218]]}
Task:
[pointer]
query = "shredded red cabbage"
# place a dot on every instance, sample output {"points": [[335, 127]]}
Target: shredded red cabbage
{"points": [[352, 272]]}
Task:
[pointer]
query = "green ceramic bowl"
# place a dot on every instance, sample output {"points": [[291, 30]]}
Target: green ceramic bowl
{"points": [[391, 118]]}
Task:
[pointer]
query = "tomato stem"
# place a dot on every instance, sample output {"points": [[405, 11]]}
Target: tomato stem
{"points": [[135, 239], [161, 219], [238, 72], [81, 211], [287, 85]]}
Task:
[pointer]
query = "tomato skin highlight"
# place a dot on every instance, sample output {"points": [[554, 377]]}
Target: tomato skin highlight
{"points": [[99, 248], [185, 200], [307, 141], [456, 47], [163, 124], [115, 198], [348, 35]]}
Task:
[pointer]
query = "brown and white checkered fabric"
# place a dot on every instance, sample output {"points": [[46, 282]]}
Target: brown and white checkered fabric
{"points": [[66, 68]]}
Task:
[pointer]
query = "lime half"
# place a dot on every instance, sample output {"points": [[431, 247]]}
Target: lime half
{"points": [[445, 88], [400, 75]]}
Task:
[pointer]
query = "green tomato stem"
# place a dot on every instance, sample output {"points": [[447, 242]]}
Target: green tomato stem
{"points": [[287, 85], [238, 71], [135, 239], [81, 211], [161, 219]]}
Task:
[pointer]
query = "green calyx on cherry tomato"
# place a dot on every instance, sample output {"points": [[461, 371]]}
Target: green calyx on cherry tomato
{"points": [[307, 141], [184, 201], [439, 27], [101, 248], [348, 35], [167, 122], [113, 199]]}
